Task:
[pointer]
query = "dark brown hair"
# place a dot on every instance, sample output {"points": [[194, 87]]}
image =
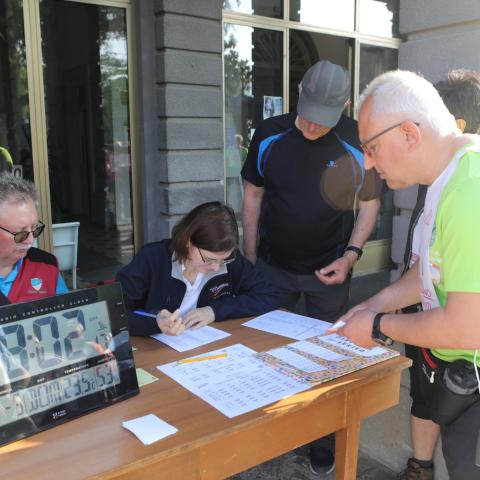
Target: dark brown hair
{"points": [[461, 94], [211, 226]]}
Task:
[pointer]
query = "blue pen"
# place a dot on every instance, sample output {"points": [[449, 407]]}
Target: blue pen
{"points": [[145, 314]]}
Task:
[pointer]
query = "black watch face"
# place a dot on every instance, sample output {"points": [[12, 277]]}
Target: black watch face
{"points": [[383, 340]]}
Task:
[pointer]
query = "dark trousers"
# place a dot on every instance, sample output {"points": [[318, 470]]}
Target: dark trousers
{"points": [[324, 302], [459, 443]]}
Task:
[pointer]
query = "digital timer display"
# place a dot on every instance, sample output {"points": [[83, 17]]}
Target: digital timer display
{"points": [[30, 401], [61, 357], [47, 342]]}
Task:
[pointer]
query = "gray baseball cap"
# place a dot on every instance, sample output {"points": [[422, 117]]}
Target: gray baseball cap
{"points": [[325, 89]]}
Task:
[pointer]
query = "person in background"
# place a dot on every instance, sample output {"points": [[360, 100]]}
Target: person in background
{"points": [[26, 273], [195, 278], [461, 94], [6, 162], [409, 136], [303, 178]]}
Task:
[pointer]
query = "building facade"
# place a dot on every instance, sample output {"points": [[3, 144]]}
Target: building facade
{"points": [[128, 113]]}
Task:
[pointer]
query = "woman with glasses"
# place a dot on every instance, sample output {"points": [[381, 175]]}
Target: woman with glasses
{"points": [[195, 278], [26, 273]]}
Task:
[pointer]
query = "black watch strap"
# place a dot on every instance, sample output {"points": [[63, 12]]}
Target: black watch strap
{"points": [[357, 250], [377, 335]]}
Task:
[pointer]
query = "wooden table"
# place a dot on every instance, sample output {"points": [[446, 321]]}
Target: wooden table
{"points": [[208, 445]]}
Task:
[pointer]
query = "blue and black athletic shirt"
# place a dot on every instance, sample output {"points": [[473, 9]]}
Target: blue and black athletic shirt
{"points": [[307, 212]]}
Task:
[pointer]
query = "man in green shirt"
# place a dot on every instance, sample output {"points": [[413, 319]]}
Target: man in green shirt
{"points": [[409, 137], [460, 92]]}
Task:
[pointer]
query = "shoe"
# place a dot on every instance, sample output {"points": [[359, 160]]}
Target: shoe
{"points": [[322, 461], [415, 472]]}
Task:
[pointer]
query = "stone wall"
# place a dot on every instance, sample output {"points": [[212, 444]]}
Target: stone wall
{"points": [[180, 91]]}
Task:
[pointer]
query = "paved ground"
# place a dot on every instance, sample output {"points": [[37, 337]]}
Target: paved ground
{"points": [[294, 465]]}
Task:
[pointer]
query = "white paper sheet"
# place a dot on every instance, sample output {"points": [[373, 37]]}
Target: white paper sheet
{"points": [[289, 325], [149, 428], [191, 338], [319, 351], [235, 384], [342, 342], [296, 360]]}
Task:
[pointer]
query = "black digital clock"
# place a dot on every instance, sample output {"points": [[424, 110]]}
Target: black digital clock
{"points": [[61, 357]]}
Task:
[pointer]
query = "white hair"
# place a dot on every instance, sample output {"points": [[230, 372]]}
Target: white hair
{"points": [[17, 190], [410, 95]]}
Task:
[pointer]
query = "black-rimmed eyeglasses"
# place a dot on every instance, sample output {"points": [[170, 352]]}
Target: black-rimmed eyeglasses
{"points": [[19, 237], [212, 261], [367, 150]]}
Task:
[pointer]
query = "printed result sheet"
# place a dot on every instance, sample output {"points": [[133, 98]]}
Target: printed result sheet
{"points": [[289, 325], [190, 339], [235, 384]]}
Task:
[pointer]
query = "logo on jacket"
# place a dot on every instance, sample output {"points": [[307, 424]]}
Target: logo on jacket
{"points": [[217, 290], [331, 164], [36, 283]]}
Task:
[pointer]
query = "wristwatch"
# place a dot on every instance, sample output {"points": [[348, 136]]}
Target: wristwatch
{"points": [[357, 250], [377, 335]]}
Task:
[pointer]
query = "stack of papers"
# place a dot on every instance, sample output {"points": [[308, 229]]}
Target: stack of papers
{"points": [[289, 325], [236, 379], [191, 338], [323, 358], [234, 384]]}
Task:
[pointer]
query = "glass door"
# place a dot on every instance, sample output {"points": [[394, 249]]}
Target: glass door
{"points": [[15, 136], [86, 89]]}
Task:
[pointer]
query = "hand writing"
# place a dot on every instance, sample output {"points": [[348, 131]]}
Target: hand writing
{"points": [[170, 323]]}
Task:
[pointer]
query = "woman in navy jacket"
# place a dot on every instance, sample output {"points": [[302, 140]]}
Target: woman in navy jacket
{"points": [[195, 278]]}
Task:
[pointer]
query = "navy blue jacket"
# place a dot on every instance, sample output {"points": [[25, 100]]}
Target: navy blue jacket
{"points": [[148, 285]]}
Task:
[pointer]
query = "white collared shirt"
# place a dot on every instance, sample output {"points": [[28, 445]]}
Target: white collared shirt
{"points": [[193, 290]]}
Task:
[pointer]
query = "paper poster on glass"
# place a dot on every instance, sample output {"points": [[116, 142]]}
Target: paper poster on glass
{"points": [[272, 106]]}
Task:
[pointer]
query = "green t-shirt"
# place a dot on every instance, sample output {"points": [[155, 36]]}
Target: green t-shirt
{"points": [[455, 255]]}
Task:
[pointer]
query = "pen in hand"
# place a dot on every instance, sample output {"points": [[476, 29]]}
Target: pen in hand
{"points": [[334, 327], [169, 323], [144, 314]]}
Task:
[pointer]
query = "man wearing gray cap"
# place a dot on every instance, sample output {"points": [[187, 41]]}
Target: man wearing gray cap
{"points": [[303, 176]]}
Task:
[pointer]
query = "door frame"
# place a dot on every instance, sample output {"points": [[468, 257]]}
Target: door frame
{"points": [[38, 125]]}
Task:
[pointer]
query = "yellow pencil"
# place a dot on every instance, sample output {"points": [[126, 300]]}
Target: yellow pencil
{"points": [[199, 359]]}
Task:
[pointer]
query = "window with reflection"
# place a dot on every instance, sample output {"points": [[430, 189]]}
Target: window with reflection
{"points": [[379, 17], [307, 48], [15, 138], [375, 60], [88, 130], [253, 90], [339, 14], [265, 8]]}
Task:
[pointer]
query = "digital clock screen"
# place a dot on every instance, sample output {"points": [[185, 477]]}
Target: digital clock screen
{"points": [[30, 401], [61, 357], [44, 343]]}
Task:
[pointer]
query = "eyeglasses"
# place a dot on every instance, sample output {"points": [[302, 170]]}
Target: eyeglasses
{"points": [[19, 237], [212, 261], [369, 151]]}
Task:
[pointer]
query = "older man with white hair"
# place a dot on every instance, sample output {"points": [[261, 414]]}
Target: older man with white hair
{"points": [[409, 137], [26, 273]]}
